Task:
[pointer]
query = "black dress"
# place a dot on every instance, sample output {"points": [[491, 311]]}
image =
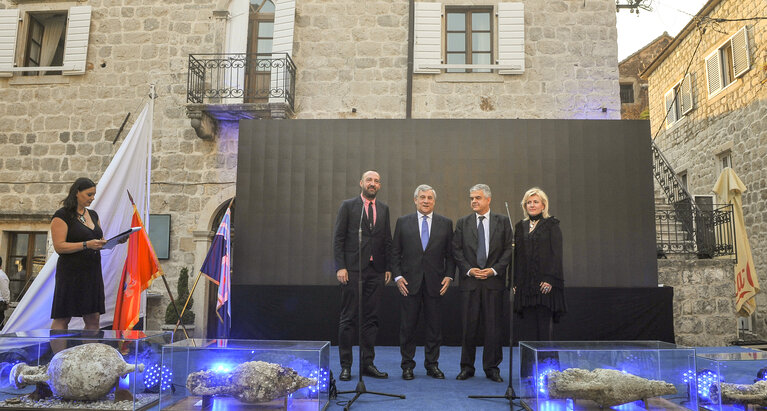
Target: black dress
{"points": [[538, 258], [79, 286]]}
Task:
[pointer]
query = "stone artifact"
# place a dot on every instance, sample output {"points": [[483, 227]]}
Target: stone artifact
{"points": [[253, 381], [605, 387], [745, 394], [84, 372]]}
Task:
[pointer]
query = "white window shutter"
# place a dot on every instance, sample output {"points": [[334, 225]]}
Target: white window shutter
{"points": [[511, 37], [741, 59], [284, 22], [670, 110], [282, 44], [76, 43], [427, 48], [685, 95], [9, 25], [713, 73]]}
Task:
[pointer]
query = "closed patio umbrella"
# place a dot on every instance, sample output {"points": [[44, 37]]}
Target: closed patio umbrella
{"points": [[729, 188]]}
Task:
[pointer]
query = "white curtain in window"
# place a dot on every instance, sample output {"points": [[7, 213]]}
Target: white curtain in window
{"points": [[54, 28]]}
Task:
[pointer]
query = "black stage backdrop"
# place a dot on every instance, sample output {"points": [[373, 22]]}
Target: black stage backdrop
{"points": [[292, 176]]}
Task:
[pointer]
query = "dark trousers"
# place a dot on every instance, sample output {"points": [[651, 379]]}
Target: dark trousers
{"points": [[410, 309], [372, 286], [486, 306], [535, 324]]}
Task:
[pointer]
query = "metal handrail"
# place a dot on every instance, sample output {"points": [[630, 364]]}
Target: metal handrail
{"points": [[714, 233], [245, 78]]}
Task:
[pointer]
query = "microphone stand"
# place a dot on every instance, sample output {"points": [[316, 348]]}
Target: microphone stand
{"points": [[361, 389], [510, 394]]}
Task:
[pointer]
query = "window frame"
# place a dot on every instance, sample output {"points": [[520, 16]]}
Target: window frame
{"points": [[724, 160], [723, 60], [628, 86], [682, 90], [468, 53], [29, 260], [15, 43]]}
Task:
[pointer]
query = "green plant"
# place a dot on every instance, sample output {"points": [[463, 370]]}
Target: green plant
{"points": [[182, 293]]}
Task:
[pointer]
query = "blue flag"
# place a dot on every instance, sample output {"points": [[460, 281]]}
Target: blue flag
{"points": [[217, 268]]}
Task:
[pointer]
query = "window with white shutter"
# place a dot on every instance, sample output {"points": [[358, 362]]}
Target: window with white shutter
{"points": [[678, 101], [728, 62], [49, 41], [469, 33]]}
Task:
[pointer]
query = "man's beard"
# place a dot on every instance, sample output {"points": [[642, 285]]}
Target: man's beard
{"points": [[368, 195]]}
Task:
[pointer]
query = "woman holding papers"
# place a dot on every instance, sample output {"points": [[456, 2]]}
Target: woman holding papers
{"points": [[77, 238], [538, 278]]}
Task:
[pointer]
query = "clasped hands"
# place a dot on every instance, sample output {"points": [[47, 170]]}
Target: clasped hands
{"points": [[481, 273]]}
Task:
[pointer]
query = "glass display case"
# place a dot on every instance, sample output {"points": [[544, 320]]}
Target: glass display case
{"points": [[55, 369], [623, 375], [245, 374], [730, 381]]}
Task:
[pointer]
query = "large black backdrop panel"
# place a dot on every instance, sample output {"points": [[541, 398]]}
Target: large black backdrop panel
{"points": [[292, 176]]}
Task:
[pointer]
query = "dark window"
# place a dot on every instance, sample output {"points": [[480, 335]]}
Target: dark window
{"points": [[26, 257], [627, 93], [469, 38], [45, 41]]}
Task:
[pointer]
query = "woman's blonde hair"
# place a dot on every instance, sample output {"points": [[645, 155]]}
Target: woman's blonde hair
{"points": [[535, 191]]}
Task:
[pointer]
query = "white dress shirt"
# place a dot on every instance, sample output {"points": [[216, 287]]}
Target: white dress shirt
{"points": [[486, 225]]}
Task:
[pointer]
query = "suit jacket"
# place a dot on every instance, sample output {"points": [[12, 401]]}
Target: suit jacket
{"points": [[423, 267], [376, 243], [499, 250]]}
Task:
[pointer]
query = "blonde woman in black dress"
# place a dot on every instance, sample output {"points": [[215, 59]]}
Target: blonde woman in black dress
{"points": [[77, 238], [538, 278]]}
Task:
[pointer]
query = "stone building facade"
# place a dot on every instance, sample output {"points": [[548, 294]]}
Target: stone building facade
{"points": [[717, 113], [351, 61], [634, 102]]}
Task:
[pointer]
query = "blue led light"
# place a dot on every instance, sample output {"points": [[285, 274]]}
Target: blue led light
{"points": [[157, 378], [221, 368], [707, 385]]}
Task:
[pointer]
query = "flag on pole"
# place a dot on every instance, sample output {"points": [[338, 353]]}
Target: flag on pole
{"points": [[216, 268], [140, 269]]}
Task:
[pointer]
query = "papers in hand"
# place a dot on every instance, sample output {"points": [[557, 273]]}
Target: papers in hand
{"points": [[112, 242]]}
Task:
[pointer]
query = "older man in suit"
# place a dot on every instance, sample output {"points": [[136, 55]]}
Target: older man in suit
{"points": [[423, 268], [482, 247], [364, 213]]}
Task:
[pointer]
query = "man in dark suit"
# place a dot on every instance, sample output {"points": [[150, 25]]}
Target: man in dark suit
{"points": [[482, 247], [423, 268], [373, 217]]}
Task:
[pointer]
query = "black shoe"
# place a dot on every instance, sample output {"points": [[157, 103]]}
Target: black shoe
{"points": [[464, 375], [494, 376], [372, 371], [435, 372], [407, 374], [346, 374]]}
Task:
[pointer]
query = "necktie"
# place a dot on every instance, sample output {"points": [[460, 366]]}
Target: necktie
{"points": [[370, 215], [481, 246], [424, 233]]}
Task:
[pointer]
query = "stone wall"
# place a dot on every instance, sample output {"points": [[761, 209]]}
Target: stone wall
{"points": [[54, 129], [349, 54], [630, 69], [733, 120], [353, 55], [704, 303]]}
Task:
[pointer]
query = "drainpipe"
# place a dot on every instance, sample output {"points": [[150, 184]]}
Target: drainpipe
{"points": [[410, 47]]}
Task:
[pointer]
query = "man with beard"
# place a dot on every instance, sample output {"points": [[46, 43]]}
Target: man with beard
{"points": [[373, 216], [482, 248], [423, 266]]}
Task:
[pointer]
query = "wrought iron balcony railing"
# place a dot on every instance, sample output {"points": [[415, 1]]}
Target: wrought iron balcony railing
{"points": [[240, 78], [713, 232]]}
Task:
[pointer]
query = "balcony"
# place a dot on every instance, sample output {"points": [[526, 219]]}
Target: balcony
{"points": [[230, 87]]}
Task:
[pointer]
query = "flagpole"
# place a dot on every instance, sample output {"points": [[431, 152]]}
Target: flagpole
{"points": [[199, 274], [167, 288]]}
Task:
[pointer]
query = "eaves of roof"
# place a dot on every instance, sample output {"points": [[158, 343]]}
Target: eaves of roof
{"points": [[704, 11]]}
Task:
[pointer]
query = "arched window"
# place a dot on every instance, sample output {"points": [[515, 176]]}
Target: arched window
{"points": [[260, 36]]}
